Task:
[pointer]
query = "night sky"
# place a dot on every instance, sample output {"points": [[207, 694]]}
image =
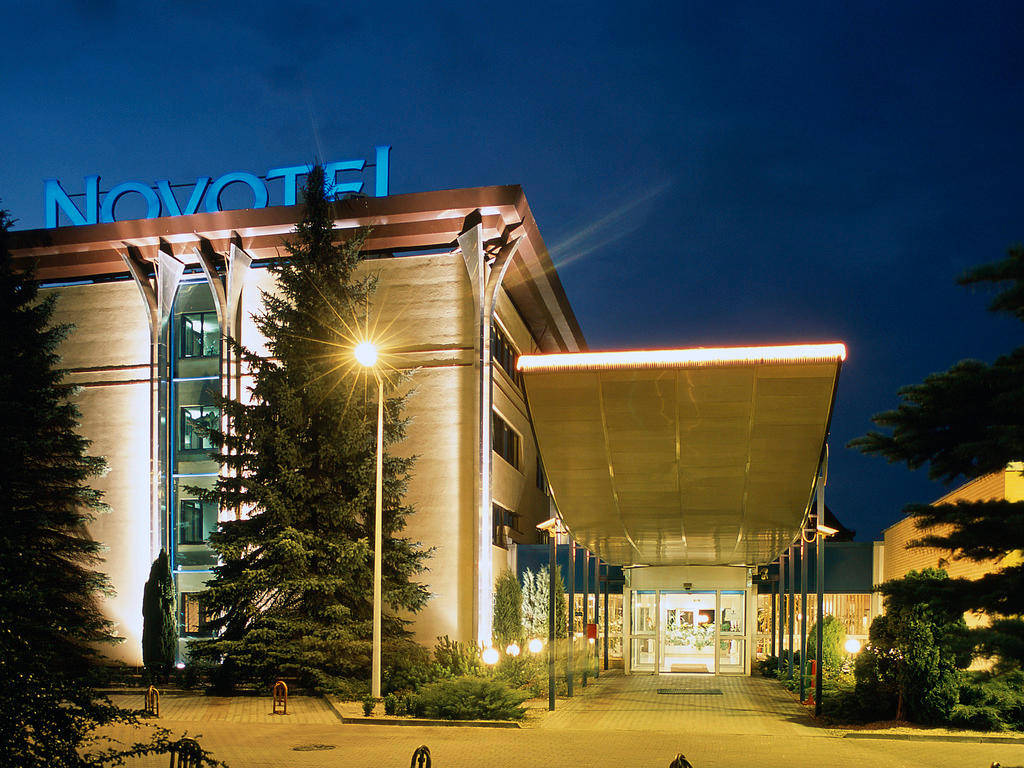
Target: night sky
{"points": [[704, 173]]}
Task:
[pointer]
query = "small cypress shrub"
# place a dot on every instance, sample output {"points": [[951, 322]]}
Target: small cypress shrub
{"points": [[508, 609]]}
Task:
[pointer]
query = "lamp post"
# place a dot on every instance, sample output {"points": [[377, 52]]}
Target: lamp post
{"points": [[366, 355]]}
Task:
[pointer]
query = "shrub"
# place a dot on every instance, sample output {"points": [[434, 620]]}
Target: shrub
{"points": [[991, 702], [833, 637], [508, 608], [368, 704], [402, 705], [408, 667], [390, 704], [527, 673], [455, 659], [915, 652], [469, 698]]}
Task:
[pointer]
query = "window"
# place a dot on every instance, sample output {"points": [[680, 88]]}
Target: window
{"points": [[504, 440], [195, 521], [192, 619], [196, 421], [503, 517], [200, 335], [505, 355]]}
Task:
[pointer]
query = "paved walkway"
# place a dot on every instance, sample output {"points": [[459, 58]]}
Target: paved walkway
{"points": [[698, 704], [621, 722]]}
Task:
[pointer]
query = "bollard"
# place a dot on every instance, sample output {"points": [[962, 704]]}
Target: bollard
{"points": [[152, 707], [814, 672], [280, 697], [421, 757], [186, 753]]}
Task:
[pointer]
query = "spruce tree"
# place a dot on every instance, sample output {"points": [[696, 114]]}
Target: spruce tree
{"points": [[50, 619], [508, 609], [293, 592], [965, 423], [159, 633], [536, 588]]}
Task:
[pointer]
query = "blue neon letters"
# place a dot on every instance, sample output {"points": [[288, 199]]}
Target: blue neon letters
{"points": [[162, 202]]}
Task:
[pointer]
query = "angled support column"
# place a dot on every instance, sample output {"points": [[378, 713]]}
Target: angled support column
{"points": [[486, 279], [158, 298]]}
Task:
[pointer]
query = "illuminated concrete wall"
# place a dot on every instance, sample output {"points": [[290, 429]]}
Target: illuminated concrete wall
{"points": [[108, 356], [425, 305]]}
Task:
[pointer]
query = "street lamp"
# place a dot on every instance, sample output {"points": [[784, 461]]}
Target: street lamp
{"points": [[366, 355]]}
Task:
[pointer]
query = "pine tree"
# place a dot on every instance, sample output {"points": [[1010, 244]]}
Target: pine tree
{"points": [[508, 609], [50, 618], [964, 423], [293, 592], [159, 633], [536, 588]]}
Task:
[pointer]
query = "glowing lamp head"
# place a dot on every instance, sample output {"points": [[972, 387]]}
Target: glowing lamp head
{"points": [[366, 354], [490, 656], [180, 665], [535, 645], [852, 645], [512, 650]]}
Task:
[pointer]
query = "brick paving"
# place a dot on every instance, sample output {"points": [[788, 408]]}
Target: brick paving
{"points": [[616, 722]]}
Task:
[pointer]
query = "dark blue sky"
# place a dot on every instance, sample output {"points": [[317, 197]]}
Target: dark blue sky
{"points": [[704, 173]]}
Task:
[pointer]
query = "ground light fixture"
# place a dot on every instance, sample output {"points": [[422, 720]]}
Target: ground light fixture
{"points": [[365, 354], [535, 645], [490, 656], [852, 645], [512, 650]]}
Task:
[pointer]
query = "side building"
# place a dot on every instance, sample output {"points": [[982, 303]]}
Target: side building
{"points": [[465, 287]]}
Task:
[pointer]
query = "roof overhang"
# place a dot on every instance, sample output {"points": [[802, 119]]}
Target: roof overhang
{"points": [[396, 224], [684, 457]]}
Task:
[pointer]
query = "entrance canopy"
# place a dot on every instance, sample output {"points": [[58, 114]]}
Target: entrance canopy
{"points": [[686, 456]]}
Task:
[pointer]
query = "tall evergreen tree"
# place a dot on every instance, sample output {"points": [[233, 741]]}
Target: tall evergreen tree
{"points": [[159, 633], [536, 588], [964, 423], [508, 609], [50, 618], [293, 592]]}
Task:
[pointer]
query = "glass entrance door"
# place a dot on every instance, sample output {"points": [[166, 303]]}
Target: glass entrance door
{"points": [[687, 631], [732, 638]]}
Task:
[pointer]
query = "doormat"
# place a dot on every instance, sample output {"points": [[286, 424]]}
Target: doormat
{"points": [[690, 691]]}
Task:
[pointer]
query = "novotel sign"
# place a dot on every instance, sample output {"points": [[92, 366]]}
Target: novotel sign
{"points": [[160, 199]]}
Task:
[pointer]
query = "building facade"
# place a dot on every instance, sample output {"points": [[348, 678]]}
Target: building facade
{"points": [[465, 285]]}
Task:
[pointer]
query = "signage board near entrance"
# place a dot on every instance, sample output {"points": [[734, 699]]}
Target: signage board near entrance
{"points": [[160, 199]]}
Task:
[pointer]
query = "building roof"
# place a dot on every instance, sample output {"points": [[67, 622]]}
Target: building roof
{"points": [[684, 457]]}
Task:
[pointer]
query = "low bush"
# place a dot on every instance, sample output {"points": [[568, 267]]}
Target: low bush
{"points": [[390, 704], [368, 704], [408, 667], [455, 659], [527, 673], [990, 702], [469, 698]]}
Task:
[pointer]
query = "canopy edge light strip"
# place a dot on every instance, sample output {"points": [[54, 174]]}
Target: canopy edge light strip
{"points": [[684, 358]]}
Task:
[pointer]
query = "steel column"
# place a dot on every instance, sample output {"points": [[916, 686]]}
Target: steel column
{"points": [[820, 586], [607, 567], [552, 564], [791, 608], [569, 659], [586, 612], [803, 614]]}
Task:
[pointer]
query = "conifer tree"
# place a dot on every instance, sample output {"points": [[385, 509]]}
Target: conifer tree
{"points": [[536, 588], [292, 594], [965, 423], [50, 618], [159, 633], [508, 609]]}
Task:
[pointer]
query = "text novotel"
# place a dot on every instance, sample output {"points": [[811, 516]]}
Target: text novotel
{"points": [[161, 201]]}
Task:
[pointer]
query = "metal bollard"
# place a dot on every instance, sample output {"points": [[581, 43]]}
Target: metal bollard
{"points": [[152, 707], [421, 757], [280, 697]]}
